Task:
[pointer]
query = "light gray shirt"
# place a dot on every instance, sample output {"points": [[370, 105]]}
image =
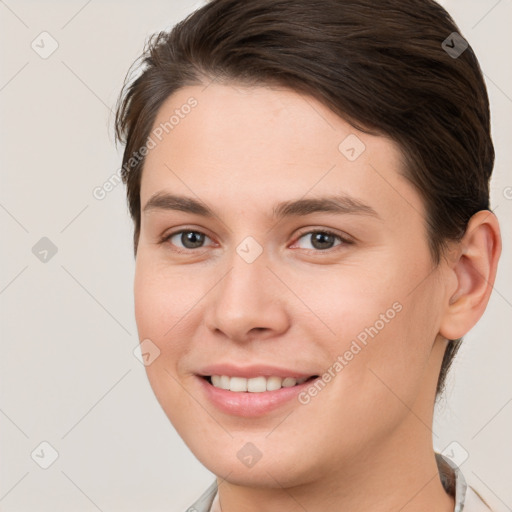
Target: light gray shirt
{"points": [[454, 483]]}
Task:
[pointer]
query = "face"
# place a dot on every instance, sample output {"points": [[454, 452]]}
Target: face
{"points": [[284, 285]]}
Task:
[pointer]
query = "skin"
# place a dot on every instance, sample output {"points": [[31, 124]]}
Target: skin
{"points": [[365, 441]]}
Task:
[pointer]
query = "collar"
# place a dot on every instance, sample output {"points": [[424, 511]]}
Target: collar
{"points": [[454, 483]]}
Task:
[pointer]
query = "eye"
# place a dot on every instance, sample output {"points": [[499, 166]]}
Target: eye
{"points": [[188, 238], [318, 240], [321, 240]]}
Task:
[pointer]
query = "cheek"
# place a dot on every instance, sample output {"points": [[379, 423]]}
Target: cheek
{"points": [[369, 381], [158, 308], [384, 334], [167, 311], [162, 301]]}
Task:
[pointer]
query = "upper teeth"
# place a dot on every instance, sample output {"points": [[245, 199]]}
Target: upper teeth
{"points": [[254, 385]]}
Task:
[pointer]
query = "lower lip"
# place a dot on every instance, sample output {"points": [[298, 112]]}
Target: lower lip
{"points": [[250, 405]]}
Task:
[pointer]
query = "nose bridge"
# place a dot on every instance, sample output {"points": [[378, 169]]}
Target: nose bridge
{"points": [[245, 298], [240, 285], [245, 288]]}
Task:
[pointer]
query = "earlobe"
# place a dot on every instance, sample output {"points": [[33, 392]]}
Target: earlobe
{"points": [[474, 269]]}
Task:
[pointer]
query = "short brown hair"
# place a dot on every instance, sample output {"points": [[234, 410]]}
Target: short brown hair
{"points": [[385, 67]]}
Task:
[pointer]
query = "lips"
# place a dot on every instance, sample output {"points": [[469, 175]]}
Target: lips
{"points": [[253, 371], [251, 391]]}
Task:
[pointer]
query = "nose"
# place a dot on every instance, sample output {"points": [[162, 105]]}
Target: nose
{"points": [[248, 303]]}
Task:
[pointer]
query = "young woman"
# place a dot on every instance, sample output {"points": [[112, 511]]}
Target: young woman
{"points": [[309, 184]]}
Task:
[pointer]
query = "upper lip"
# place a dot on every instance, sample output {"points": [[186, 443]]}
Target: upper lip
{"points": [[251, 371]]}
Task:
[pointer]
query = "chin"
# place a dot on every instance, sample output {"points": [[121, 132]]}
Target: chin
{"points": [[262, 474], [269, 467]]}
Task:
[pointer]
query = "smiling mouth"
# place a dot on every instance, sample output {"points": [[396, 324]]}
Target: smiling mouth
{"points": [[259, 384]]}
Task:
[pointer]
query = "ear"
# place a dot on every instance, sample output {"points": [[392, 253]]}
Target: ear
{"points": [[474, 271]]}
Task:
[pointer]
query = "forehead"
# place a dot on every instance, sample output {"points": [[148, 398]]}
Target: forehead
{"points": [[259, 145]]}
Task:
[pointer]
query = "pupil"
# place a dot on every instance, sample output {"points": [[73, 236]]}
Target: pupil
{"points": [[192, 239], [321, 240]]}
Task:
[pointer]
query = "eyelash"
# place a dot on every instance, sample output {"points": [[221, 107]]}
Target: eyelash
{"points": [[343, 240]]}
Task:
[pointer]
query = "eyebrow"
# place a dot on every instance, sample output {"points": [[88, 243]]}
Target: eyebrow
{"points": [[339, 204]]}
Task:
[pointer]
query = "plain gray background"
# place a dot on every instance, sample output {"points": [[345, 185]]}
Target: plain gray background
{"points": [[68, 371]]}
